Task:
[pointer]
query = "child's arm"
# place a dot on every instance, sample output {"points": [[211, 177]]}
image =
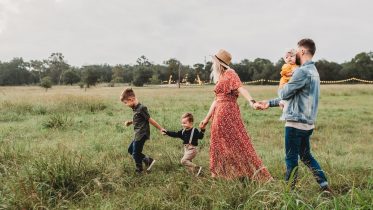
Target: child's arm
{"points": [[201, 133], [174, 134], [155, 124]]}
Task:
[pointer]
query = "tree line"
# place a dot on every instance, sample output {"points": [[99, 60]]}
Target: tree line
{"points": [[55, 70]]}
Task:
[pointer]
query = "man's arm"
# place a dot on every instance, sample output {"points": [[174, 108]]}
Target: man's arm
{"points": [[296, 82], [274, 102], [270, 103]]}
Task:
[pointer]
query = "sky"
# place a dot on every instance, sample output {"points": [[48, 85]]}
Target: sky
{"points": [[120, 31]]}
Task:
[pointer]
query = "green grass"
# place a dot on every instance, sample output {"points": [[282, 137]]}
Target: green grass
{"points": [[67, 148]]}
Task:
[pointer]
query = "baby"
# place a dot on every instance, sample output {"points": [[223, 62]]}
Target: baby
{"points": [[288, 68], [287, 71]]}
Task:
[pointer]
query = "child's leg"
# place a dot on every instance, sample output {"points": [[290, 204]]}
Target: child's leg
{"points": [[190, 152], [130, 148], [137, 155]]}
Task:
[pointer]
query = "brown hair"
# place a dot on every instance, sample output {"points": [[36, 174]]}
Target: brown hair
{"points": [[309, 44], [189, 116], [126, 94]]}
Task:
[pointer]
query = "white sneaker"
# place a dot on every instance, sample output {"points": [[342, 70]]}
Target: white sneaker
{"points": [[199, 171]]}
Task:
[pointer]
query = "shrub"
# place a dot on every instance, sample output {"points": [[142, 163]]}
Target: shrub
{"points": [[57, 121], [46, 83], [52, 179]]}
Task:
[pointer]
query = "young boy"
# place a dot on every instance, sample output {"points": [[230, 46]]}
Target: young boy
{"points": [[190, 136], [141, 120]]}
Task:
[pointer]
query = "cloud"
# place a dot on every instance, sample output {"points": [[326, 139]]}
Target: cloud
{"points": [[119, 31], [7, 9]]}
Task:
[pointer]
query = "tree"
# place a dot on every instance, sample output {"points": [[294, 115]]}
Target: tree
{"points": [[263, 68], [89, 75], [207, 71], [15, 73], [118, 73], [360, 66], [143, 61], [172, 68], [70, 77], [141, 75], [46, 82], [328, 70], [57, 66]]}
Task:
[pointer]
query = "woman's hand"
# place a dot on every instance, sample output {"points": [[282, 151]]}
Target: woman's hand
{"points": [[257, 106], [203, 124]]}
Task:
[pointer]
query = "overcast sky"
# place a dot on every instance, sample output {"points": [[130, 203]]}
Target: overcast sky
{"points": [[120, 31]]}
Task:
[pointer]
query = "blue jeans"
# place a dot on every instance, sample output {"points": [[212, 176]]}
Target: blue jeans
{"points": [[135, 149], [297, 143]]}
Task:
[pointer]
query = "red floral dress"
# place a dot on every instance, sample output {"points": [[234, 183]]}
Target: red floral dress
{"points": [[231, 151]]}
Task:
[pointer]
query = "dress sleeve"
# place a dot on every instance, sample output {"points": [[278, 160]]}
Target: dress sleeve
{"points": [[234, 80]]}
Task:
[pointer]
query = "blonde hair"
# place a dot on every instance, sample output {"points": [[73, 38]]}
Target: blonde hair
{"points": [[291, 51], [189, 116], [217, 71]]}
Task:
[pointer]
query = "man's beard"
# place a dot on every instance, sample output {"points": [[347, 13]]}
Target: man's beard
{"points": [[297, 60]]}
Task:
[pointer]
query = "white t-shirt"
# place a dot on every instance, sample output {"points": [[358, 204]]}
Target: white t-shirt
{"points": [[298, 125]]}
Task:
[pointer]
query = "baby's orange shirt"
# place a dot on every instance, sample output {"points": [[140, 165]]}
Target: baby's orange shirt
{"points": [[286, 69]]}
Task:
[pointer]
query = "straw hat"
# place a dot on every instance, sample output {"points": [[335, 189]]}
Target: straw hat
{"points": [[223, 57]]}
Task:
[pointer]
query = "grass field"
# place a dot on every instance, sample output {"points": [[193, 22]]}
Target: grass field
{"points": [[67, 148]]}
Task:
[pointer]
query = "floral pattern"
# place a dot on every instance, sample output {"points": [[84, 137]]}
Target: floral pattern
{"points": [[232, 154]]}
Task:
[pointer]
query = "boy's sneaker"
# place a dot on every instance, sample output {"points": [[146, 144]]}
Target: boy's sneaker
{"points": [[138, 170], [149, 162], [199, 171]]}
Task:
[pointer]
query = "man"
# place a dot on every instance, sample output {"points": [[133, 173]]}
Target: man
{"points": [[302, 93]]}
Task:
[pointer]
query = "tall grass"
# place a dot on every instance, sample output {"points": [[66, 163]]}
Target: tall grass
{"points": [[67, 148]]}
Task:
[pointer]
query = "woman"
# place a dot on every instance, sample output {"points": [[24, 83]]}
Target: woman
{"points": [[232, 154]]}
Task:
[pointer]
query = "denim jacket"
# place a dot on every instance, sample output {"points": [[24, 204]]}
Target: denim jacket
{"points": [[302, 93]]}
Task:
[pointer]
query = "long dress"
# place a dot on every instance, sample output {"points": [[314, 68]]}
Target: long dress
{"points": [[232, 154]]}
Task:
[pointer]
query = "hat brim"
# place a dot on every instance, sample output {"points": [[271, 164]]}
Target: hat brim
{"points": [[219, 61]]}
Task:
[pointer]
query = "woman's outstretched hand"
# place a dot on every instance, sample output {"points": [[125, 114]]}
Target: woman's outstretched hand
{"points": [[203, 124], [257, 106], [263, 105]]}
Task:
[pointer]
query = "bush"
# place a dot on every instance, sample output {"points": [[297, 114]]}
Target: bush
{"points": [[46, 83], [52, 179], [57, 121], [81, 84], [111, 84]]}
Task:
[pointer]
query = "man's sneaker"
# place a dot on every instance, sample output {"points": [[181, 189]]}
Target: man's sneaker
{"points": [[199, 171], [149, 163]]}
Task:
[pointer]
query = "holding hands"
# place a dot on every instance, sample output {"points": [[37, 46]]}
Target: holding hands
{"points": [[203, 124], [163, 131], [260, 105]]}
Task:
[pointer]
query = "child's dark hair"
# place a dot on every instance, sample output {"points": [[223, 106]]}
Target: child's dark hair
{"points": [[126, 94], [189, 116], [309, 44]]}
